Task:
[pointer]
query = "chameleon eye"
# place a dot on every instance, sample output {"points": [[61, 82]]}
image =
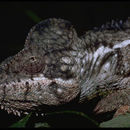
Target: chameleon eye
{"points": [[33, 65]]}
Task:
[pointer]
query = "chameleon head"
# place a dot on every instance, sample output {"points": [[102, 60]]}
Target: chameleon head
{"points": [[41, 72]]}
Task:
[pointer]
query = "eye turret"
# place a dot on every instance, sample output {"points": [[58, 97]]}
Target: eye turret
{"points": [[33, 65]]}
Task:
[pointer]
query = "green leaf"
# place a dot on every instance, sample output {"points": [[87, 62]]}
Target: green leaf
{"points": [[42, 125], [22, 123], [33, 16], [120, 121], [75, 112]]}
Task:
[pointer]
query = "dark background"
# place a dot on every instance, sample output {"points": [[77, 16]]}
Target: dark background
{"points": [[15, 23]]}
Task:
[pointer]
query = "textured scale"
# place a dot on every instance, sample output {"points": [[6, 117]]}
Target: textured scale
{"points": [[56, 66]]}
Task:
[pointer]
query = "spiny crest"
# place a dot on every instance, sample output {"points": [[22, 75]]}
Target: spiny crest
{"points": [[115, 25]]}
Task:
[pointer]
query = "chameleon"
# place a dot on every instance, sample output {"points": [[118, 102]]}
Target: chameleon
{"points": [[56, 66]]}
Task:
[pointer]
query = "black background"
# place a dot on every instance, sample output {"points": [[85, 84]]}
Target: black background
{"points": [[84, 15]]}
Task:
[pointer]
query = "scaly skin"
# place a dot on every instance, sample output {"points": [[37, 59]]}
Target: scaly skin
{"points": [[56, 66]]}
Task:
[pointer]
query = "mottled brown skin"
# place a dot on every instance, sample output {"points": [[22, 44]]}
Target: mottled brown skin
{"points": [[56, 66]]}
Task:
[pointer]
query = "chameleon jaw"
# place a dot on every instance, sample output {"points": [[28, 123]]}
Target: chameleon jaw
{"points": [[31, 94]]}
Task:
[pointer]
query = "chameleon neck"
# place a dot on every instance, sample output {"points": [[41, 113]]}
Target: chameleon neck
{"points": [[95, 67]]}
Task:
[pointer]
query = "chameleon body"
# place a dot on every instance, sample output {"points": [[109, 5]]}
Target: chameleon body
{"points": [[56, 65]]}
